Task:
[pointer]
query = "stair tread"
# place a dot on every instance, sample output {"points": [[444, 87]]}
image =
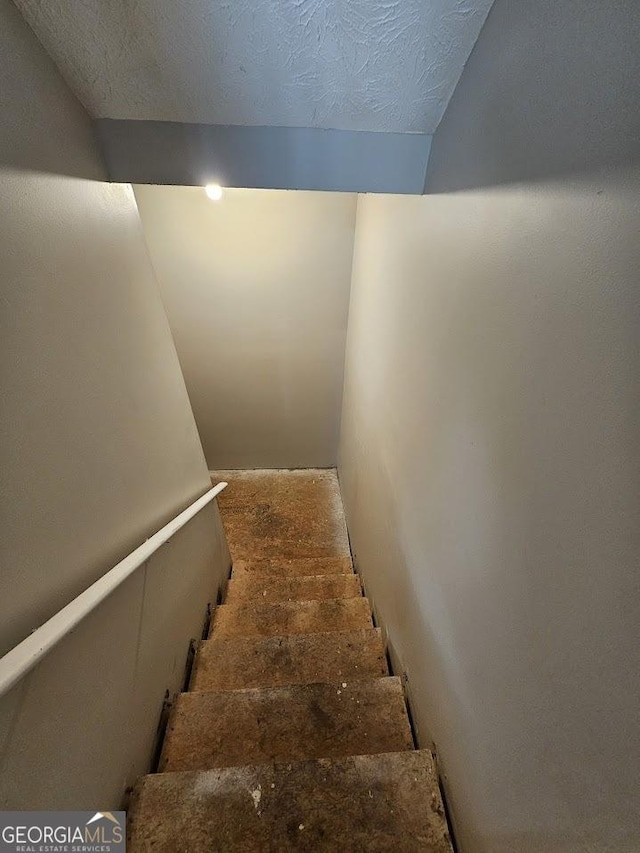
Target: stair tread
{"points": [[378, 803], [291, 617], [291, 567], [294, 723], [303, 588], [292, 513], [299, 659]]}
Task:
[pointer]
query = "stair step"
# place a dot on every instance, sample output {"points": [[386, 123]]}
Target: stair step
{"points": [[277, 661], [292, 513], [271, 589], [295, 723], [290, 617], [284, 567], [379, 803]]}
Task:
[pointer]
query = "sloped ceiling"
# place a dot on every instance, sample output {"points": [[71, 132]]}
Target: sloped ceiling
{"points": [[359, 65]]}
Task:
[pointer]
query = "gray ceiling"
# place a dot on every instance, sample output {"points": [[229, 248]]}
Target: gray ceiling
{"points": [[376, 65]]}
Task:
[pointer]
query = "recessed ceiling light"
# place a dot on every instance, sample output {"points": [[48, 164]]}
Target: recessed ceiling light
{"points": [[213, 191]]}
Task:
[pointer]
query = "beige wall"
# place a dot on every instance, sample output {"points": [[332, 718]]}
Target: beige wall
{"points": [[256, 287], [98, 449], [490, 435]]}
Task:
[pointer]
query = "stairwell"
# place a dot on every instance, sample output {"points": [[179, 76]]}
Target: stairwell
{"points": [[293, 735]]}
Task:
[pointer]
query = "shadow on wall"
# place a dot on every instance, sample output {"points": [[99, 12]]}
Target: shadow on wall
{"points": [[293, 158], [400, 604], [489, 449], [81, 726], [552, 101], [430, 559], [23, 144]]}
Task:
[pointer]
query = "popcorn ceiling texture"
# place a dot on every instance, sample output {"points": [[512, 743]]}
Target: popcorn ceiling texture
{"points": [[380, 65]]}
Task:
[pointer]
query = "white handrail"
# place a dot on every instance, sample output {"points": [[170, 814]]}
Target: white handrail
{"points": [[23, 657]]}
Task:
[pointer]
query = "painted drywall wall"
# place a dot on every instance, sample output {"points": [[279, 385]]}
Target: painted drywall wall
{"points": [[561, 99], [256, 287], [285, 158], [489, 454], [98, 450]]}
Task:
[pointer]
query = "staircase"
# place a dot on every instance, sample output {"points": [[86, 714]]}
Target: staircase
{"points": [[293, 735]]}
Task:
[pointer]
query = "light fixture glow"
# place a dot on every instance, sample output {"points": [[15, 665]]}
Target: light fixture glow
{"points": [[213, 191]]}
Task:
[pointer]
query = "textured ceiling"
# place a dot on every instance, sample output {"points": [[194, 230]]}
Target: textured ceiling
{"points": [[382, 65]]}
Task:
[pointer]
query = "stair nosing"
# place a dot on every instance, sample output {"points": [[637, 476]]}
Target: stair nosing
{"points": [[304, 685], [255, 588], [256, 576], [284, 764], [272, 637], [302, 601]]}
